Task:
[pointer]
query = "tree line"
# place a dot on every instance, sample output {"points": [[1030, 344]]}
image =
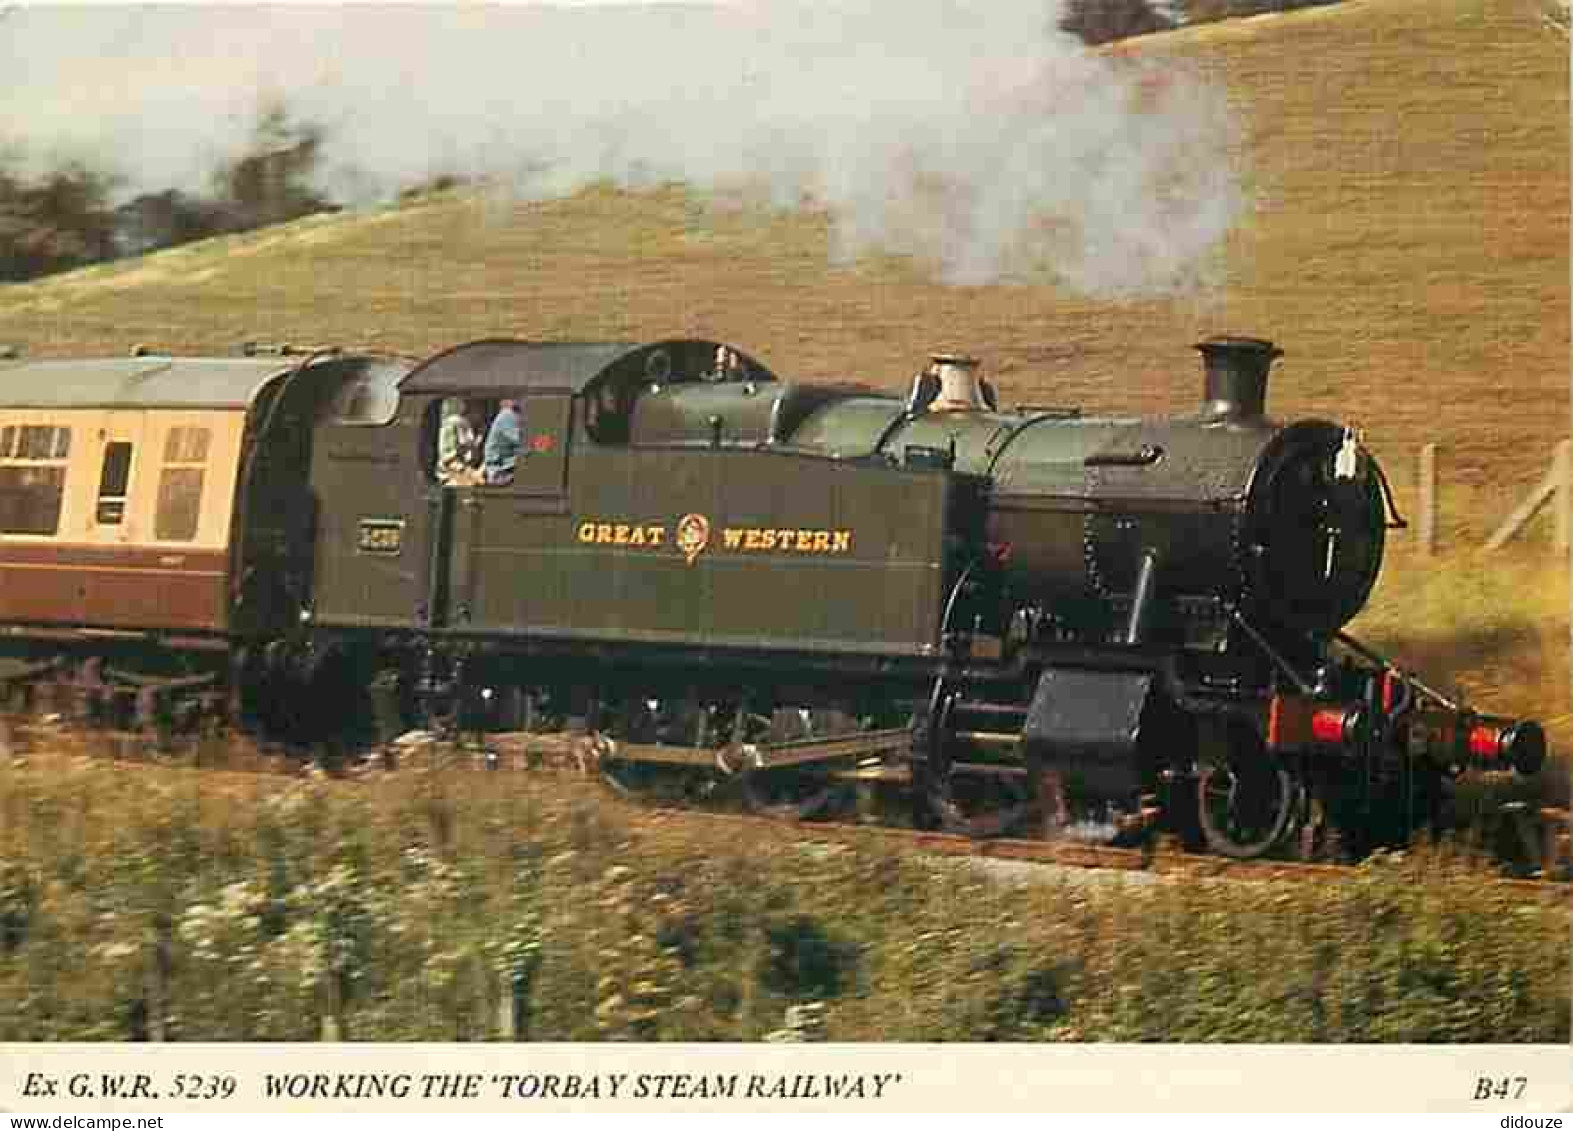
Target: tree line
{"points": [[66, 216], [1103, 21]]}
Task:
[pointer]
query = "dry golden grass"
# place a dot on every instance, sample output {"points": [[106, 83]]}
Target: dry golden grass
{"points": [[421, 906]]}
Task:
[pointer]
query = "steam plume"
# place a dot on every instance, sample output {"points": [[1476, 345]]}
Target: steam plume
{"points": [[971, 135]]}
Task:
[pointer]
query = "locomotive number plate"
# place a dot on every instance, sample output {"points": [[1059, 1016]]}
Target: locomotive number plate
{"points": [[381, 535]]}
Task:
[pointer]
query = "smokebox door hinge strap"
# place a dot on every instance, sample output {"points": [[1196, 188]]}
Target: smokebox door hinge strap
{"points": [[1395, 521]]}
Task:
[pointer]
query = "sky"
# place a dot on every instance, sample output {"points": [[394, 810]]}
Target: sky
{"points": [[970, 134]]}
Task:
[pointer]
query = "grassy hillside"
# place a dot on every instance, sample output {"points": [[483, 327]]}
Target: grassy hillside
{"points": [[1407, 245]]}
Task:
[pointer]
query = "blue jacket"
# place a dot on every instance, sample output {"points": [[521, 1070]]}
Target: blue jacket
{"points": [[502, 445]]}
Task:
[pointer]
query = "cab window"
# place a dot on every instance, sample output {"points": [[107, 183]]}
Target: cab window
{"points": [[453, 437]]}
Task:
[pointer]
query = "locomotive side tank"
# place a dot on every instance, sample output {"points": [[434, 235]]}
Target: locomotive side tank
{"points": [[645, 510]]}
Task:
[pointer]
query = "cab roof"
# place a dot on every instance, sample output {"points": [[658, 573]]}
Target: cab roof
{"points": [[503, 366]]}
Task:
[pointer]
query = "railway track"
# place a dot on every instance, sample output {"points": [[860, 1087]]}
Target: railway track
{"points": [[563, 756], [1151, 861]]}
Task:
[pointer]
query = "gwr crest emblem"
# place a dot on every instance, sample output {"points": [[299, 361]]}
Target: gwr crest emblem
{"points": [[693, 535]]}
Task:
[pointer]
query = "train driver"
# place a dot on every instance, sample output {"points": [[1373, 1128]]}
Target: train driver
{"points": [[503, 440], [457, 446]]}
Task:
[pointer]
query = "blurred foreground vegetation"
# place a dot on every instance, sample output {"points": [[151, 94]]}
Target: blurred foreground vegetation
{"points": [[140, 903]]}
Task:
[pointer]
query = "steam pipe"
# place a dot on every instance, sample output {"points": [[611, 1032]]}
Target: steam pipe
{"points": [[1382, 661], [1142, 598]]}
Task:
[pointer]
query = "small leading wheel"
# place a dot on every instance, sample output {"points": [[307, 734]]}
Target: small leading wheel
{"points": [[1091, 821], [1246, 805]]}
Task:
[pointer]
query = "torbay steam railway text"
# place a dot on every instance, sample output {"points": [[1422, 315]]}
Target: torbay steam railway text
{"points": [[1027, 620]]}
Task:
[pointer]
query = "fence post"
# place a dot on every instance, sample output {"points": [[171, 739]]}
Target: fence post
{"points": [[1553, 485], [160, 977], [1427, 517], [507, 1028]]}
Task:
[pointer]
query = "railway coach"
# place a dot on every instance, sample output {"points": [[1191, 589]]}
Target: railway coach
{"points": [[155, 514]]}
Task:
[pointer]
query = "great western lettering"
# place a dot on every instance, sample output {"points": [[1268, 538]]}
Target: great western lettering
{"points": [[693, 536]]}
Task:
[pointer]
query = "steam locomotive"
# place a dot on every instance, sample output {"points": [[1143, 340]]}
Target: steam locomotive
{"points": [[1028, 620]]}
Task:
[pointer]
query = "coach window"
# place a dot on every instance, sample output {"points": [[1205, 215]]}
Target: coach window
{"points": [[180, 485], [112, 482], [32, 477]]}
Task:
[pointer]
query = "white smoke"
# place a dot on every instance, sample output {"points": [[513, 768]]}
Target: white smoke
{"points": [[971, 135]]}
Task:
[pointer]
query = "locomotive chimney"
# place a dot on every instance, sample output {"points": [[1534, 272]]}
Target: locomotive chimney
{"points": [[959, 386], [1236, 387]]}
